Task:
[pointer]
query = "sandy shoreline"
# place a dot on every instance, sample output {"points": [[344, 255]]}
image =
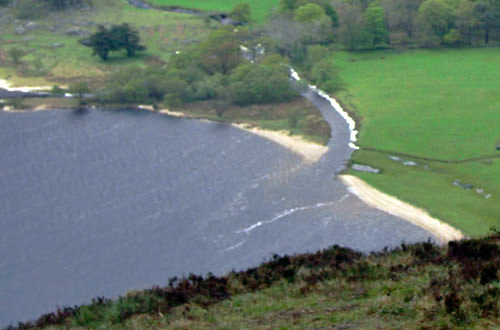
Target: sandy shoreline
{"points": [[309, 151], [5, 84], [394, 206]]}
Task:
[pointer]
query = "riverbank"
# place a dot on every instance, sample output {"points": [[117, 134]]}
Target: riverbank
{"points": [[394, 206]]}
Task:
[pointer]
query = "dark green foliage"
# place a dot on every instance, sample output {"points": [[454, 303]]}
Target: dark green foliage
{"points": [[376, 25], [255, 84], [16, 54], [241, 13], [4, 3], [324, 74], [80, 89], [146, 85], [219, 53], [222, 58], [125, 37], [118, 37]]}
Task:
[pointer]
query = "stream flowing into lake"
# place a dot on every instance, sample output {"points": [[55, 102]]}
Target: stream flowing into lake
{"points": [[102, 202]]}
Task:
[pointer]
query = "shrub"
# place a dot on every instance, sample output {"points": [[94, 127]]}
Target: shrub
{"points": [[16, 54], [453, 38], [324, 74], [241, 13], [257, 84]]}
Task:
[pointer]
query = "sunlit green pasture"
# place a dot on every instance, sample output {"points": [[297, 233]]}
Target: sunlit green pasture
{"points": [[439, 104]]}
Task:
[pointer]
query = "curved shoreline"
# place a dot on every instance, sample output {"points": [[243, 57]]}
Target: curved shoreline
{"points": [[309, 151], [379, 200], [312, 152], [394, 206]]}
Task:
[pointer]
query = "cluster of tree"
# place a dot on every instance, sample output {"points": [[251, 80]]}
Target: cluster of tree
{"points": [[116, 38], [241, 13], [365, 24], [213, 70]]}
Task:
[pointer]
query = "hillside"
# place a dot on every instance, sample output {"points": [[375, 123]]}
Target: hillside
{"points": [[420, 286]]}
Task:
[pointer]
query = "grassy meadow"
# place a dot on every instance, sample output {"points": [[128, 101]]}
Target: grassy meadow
{"points": [[161, 32], [260, 9], [442, 105]]}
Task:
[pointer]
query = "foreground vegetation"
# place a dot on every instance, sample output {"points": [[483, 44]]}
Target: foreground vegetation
{"points": [[419, 286]]}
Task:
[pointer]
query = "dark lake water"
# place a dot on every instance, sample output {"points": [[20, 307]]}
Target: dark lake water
{"points": [[103, 202]]}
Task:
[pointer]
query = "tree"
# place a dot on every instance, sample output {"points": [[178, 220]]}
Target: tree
{"points": [[437, 15], [241, 13], [309, 13], [488, 15], [80, 89], [16, 54], [255, 84], [222, 57], [466, 21], [287, 5], [118, 37], [375, 24], [401, 15], [101, 43], [325, 75], [352, 30], [123, 36], [314, 54]]}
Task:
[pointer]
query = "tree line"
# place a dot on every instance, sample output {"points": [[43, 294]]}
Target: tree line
{"points": [[365, 24]]}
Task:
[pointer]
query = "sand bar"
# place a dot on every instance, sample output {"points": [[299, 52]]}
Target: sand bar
{"points": [[394, 206]]}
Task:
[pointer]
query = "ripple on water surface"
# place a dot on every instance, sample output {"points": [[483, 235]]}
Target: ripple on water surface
{"points": [[99, 203]]}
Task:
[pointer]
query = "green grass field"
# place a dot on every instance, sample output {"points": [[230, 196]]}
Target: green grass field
{"points": [[161, 32], [260, 8], [439, 104]]}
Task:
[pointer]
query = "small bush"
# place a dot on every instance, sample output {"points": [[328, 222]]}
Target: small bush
{"points": [[257, 84]]}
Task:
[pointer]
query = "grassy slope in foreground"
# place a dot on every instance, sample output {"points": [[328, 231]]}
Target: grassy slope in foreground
{"points": [[259, 8], [420, 286], [442, 104]]}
